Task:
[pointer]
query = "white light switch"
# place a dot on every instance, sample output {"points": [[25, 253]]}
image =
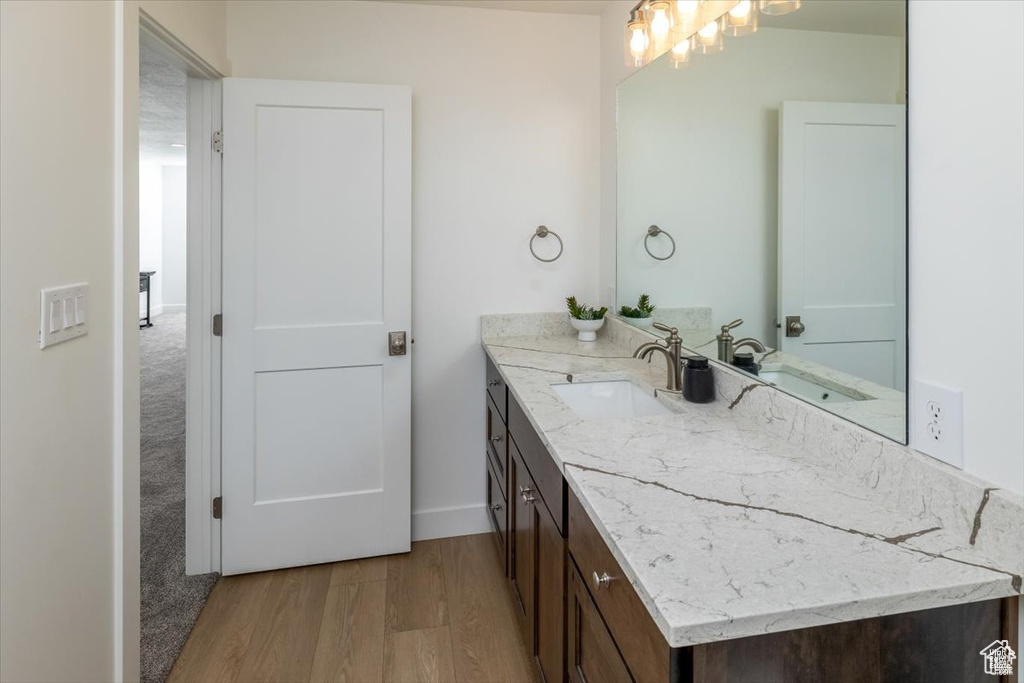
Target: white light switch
{"points": [[80, 309], [63, 314], [56, 316]]}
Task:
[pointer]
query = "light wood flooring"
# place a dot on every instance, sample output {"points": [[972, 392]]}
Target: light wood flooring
{"points": [[440, 613]]}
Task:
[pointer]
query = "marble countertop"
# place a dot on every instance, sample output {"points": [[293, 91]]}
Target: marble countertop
{"points": [[756, 513]]}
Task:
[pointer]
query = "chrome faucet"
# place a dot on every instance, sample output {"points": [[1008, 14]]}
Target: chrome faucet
{"points": [[727, 345], [671, 348]]}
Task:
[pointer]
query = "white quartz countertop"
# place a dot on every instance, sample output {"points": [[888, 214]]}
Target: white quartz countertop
{"points": [[730, 526]]}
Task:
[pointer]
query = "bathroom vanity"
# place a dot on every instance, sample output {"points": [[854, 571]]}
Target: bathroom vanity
{"points": [[755, 538]]}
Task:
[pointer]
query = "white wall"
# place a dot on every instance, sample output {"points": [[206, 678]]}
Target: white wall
{"points": [[56, 405], [967, 224], [505, 137], [200, 24], [173, 263], [698, 156], [151, 239]]}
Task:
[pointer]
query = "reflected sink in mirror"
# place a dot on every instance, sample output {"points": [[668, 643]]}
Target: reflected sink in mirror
{"points": [[610, 399], [809, 387]]}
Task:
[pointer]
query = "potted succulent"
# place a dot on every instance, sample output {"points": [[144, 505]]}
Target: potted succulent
{"points": [[587, 320], [641, 316]]}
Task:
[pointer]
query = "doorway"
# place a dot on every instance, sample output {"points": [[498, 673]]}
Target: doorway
{"points": [[176, 572]]}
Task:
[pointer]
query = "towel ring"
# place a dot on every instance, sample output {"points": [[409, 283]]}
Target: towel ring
{"points": [[542, 231], [654, 231]]}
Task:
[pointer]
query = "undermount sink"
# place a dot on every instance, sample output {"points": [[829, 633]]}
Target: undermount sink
{"points": [[609, 399], [806, 388]]}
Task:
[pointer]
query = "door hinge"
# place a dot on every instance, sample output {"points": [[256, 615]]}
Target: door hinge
{"points": [[218, 325], [218, 141], [217, 507]]}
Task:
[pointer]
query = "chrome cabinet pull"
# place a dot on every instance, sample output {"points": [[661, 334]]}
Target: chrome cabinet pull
{"points": [[496, 439], [494, 382], [601, 580], [527, 493], [496, 506]]}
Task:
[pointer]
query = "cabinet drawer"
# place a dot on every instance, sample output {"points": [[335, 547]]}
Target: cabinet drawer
{"points": [[593, 655], [496, 390], [642, 646], [497, 510], [545, 473], [497, 440]]}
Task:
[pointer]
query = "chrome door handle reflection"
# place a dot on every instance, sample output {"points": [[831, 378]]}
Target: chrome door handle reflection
{"points": [[794, 328]]}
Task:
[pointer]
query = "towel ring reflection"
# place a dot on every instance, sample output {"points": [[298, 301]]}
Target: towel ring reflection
{"points": [[654, 231], [542, 231]]}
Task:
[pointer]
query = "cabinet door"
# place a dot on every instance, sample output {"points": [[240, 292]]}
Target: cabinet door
{"points": [[550, 586], [593, 656], [522, 569]]}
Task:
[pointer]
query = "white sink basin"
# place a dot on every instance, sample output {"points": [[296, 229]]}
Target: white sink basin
{"points": [[806, 388], [616, 398]]}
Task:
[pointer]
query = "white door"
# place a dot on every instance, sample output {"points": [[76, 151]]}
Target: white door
{"points": [[842, 236], [317, 267]]}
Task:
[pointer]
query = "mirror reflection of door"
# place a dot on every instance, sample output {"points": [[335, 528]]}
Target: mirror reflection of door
{"points": [[842, 222]]}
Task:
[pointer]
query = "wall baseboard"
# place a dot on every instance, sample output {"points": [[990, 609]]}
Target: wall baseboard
{"points": [[174, 308], [454, 521]]}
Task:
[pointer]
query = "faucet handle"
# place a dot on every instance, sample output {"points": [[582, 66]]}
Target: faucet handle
{"points": [[673, 331], [728, 326]]}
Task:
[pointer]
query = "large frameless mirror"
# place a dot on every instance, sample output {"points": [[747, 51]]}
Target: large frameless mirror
{"points": [[762, 177]]}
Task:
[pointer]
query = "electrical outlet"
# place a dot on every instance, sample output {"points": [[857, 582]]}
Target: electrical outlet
{"points": [[938, 425]]}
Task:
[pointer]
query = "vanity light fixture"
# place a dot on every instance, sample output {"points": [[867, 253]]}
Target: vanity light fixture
{"points": [[777, 8], [660, 19], [637, 38], [684, 27], [741, 20], [681, 55], [710, 39]]}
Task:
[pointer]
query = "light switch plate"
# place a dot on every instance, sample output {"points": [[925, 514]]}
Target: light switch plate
{"points": [[58, 314], [938, 422]]}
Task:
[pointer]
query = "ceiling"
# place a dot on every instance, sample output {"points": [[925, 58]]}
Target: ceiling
{"points": [[162, 107], [593, 7]]}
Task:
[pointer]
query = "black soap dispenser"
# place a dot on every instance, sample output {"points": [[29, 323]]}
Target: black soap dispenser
{"points": [[698, 380], [745, 361]]}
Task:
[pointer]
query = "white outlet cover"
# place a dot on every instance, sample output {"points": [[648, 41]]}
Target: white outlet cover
{"points": [[937, 415]]}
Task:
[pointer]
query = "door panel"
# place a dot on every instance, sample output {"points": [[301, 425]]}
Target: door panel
{"points": [[317, 270], [842, 236]]}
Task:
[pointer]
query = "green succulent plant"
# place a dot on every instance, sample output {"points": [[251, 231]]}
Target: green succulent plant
{"points": [[584, 312], [644, 308]]}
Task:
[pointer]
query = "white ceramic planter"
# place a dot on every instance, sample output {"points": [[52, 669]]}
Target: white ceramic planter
{"points": [[643, 323], [587, 329]]}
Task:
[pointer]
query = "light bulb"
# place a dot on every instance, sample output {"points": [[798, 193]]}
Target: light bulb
{"points": [[681, 54], [687, 6], [681, 49], [638, 42], [660, 25], [741, 10], [709, 30]]}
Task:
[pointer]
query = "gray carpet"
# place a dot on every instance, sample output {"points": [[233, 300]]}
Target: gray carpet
{"points": [[171, 601]]}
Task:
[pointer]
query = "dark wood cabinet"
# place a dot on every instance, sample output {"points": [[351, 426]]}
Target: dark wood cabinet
{"points": [[584, 622], [593, 655], [537, 574]]}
